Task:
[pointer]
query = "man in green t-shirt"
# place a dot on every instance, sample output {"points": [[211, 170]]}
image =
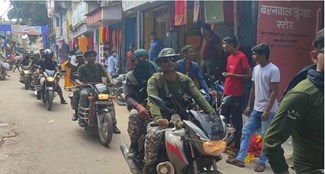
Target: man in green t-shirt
{"points": [[92, 72], [301, 115], [166, 85]]}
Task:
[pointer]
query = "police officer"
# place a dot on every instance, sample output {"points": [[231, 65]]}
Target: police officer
{"points": [[135, 93], [92, 72], [166, 85]]}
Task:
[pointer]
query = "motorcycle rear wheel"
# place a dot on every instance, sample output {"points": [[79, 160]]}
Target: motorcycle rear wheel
{"points": [[105, 128], [49, 98]]}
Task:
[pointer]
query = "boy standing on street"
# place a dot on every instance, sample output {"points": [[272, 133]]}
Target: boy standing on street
{"points": [[238, 70]]}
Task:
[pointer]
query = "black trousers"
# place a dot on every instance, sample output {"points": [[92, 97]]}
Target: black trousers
{"points": [[233, 115]]}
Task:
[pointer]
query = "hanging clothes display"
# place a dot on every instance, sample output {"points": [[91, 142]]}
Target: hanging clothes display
{"points": [[83, 44], [197, 11], [101, 37], [107, 32], [91, 43], [180, 12], [213, 12]]}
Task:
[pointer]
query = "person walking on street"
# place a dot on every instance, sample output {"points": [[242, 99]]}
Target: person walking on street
{"points": [[301, 115], [135, 90], [130, 60], [211, 53], [262, 103], [112, 63], [155, 46], [238, 70]]}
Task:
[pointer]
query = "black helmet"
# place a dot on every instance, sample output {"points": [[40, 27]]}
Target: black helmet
{"points": [[48, 53]]}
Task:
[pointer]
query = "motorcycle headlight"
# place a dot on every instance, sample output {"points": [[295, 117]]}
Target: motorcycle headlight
{"points": [[26, 72], [50, 79], [103, 96], [214, 148]]}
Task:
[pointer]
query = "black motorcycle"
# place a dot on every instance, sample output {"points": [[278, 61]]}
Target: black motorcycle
{"points": [[117, 89], [27, 78], [99, 112]]}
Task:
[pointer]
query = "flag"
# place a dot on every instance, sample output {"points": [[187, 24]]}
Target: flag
{"points": [[180, 12]]}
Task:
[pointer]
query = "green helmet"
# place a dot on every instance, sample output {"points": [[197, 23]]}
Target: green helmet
{"points": [[140, 53]]}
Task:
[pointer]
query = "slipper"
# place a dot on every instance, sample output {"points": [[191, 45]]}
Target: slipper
{"points": [[235, 162], [259, 168]]}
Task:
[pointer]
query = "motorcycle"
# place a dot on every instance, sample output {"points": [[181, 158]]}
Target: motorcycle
{"points": [[27, 78], [4, 67], [47, 90], [191, 146], [99, 113], [117, 89]]}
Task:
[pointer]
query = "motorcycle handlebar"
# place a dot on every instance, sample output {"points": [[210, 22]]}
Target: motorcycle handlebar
{"points": [[170, 125]]}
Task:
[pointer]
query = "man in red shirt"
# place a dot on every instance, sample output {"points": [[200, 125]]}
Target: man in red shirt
{"points": [[211, 53], [238, 70]]}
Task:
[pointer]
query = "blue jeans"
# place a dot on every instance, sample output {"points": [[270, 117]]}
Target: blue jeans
{"points": [[253, 123]]}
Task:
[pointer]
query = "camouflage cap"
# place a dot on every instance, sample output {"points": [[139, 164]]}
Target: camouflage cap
{"points": [[167, 52], [78, 54]]}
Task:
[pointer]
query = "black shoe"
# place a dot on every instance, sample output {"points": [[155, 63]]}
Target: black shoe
{"points": [[38, 96], [82, 123], [116, 130], [63, 102], [133, 151], [74, 117]]}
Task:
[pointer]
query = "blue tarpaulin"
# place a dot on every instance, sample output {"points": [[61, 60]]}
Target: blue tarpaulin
{"points": [[44, 38]]}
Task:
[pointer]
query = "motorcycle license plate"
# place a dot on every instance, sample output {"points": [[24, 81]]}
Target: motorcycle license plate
{"points": [[102, 102]]}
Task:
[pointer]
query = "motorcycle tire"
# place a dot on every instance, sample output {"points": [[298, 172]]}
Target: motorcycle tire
{"points": [[26, 84], [120, 101], [49, 98], [105, 128]]}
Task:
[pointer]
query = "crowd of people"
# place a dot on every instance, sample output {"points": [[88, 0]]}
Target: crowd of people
{"points": [[171, 76]]}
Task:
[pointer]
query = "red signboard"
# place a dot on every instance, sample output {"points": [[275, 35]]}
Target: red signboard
{"points": [[289, 28]]}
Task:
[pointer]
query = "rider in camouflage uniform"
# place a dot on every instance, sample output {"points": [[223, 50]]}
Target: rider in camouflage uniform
{"points": [[166, 85], [135, 90]]}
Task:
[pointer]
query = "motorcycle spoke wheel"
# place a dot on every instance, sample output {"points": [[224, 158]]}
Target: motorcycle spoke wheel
{"points": [[105, 128]]}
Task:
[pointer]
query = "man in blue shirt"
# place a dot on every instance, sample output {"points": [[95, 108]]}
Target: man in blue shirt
{"points": [[112, 63], [155, 46], [192, 69]]}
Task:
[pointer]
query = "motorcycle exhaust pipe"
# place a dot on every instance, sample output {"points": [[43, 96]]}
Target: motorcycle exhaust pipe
{"points": [[133, 167]]}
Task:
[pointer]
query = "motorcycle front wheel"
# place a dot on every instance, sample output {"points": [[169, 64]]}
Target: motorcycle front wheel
{"points": [[49, 100], [26, 83], [105, 128]]}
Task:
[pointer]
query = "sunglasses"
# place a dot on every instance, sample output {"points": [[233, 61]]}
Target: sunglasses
{"points": [[169, 59]]}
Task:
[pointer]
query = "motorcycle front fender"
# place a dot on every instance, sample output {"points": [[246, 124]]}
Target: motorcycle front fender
{"points": [[105, 110]]}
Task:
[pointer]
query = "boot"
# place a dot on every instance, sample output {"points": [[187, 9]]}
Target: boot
{"points": [[116, 130], [148, 169], [133, 151], [63, 101], [38, 95]]}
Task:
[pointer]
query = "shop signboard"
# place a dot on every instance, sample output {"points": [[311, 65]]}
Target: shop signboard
{"points": [[79, 13], [127, 4], [288, 27]]}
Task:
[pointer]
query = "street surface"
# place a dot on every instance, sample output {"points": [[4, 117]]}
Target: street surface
{"points": [[36, 141]]}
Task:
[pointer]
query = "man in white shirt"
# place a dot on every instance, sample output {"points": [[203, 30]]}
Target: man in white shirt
{"points": [[262, 104]]}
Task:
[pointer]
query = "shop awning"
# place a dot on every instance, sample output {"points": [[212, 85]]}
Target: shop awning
{"points": [[106, 14]]}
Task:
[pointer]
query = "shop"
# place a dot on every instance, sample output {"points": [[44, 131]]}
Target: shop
{"points": [[101, 18]]}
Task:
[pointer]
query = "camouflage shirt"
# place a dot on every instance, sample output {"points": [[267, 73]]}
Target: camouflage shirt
{"points": [[182, 85]]}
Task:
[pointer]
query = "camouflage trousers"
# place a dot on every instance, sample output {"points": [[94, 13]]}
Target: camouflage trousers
{"points": [[152, 144], [136, 126]]}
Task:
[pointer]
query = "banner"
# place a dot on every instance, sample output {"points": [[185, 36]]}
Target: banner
{"points": [[25, 29], [180, 12]]}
